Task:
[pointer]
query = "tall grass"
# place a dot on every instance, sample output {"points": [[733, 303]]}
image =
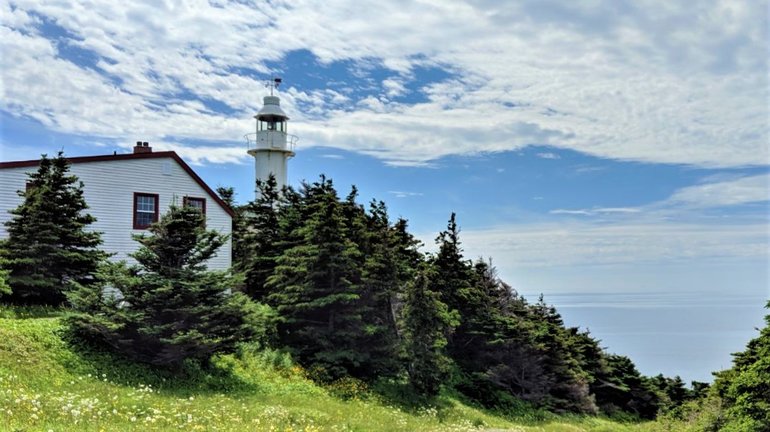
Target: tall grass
{"points": [[47, 384]]}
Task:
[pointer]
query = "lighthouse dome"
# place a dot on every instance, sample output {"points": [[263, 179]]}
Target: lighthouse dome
{"points": [[271, 108]]}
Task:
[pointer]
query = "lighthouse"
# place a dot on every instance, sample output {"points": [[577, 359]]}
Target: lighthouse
{"points": [[271, 145]]}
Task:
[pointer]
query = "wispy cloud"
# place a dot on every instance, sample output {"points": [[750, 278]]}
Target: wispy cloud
{"points": [[597, 211], [394, 87], [737, 191], [669, 230], [668, 83], [548, 155], [712, 193], [571, 212], [405, 194], [585, 243]]}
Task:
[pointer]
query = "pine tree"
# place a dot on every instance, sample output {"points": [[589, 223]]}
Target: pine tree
{"points": [[48, 244], [312, 288], [426, 322], [171, 307]]}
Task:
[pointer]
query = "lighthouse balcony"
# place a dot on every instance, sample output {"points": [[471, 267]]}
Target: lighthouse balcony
{"points": [[278, 141]]}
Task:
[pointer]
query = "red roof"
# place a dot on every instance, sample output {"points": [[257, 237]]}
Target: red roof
{"points": [[131, 156]]}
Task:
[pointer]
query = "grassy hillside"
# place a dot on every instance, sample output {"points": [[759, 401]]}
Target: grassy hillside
{"points": [[47, 385]]}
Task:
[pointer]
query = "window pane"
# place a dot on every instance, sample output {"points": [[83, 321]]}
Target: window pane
{"points": [[198, 203], [144, 219], [145, 204]]}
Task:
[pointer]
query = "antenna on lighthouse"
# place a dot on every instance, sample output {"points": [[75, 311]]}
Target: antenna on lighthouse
{"points": [[273, 85], [271, 145]]}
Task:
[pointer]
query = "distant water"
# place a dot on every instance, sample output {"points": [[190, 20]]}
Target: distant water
{"points": [[689, 334]]}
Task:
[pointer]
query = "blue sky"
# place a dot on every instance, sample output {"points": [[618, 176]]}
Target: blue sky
{"points": [[611, 155]]}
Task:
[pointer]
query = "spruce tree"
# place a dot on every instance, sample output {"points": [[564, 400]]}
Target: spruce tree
{"points": [[313, 292], [426, 322], [467, 292], [48, 244], [170, 307], [4, 287], [259, 239], [745, 388], [380, 290], [569, 390]]}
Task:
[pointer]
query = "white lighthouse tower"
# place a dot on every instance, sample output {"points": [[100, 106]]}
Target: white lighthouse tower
{"points": [[271, 145]]}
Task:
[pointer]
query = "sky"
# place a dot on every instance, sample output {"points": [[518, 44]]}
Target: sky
{"points": [[612, 155]]}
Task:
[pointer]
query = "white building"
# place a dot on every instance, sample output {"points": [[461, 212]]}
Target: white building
{"points": [[127, 192]]}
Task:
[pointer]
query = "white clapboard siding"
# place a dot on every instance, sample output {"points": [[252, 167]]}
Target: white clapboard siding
{"points": [[109, 186]]}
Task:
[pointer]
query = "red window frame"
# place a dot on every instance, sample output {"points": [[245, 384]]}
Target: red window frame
{"points": [[156, 198], [186, 200]]}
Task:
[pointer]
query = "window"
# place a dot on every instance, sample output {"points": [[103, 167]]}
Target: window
{"points": [[199, 203], [272, 125], [145, 209]]}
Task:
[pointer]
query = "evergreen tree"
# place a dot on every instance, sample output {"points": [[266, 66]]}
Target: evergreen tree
{"points": [[380, 290], [570, 390], [4, 287], [455, 281], [313, 291], [472, 291], [170, 307], [406, 252], [48, 244], [672, 391], [260, 237], [745, 388], [620, 387], [426, 322]]}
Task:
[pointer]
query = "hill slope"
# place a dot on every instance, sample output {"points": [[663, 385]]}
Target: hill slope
{"points": [[47, 385]]}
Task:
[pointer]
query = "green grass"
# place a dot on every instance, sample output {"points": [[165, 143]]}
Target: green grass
{"points": [[46, 384]]}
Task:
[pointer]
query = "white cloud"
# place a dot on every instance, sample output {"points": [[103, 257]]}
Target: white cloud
{"points": [[597, 211], [571, 212], [633, 242], [731, 192], [712, 193], [405, 194], [394, 87], [670, 230], [650, 81], [548, 155]]}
